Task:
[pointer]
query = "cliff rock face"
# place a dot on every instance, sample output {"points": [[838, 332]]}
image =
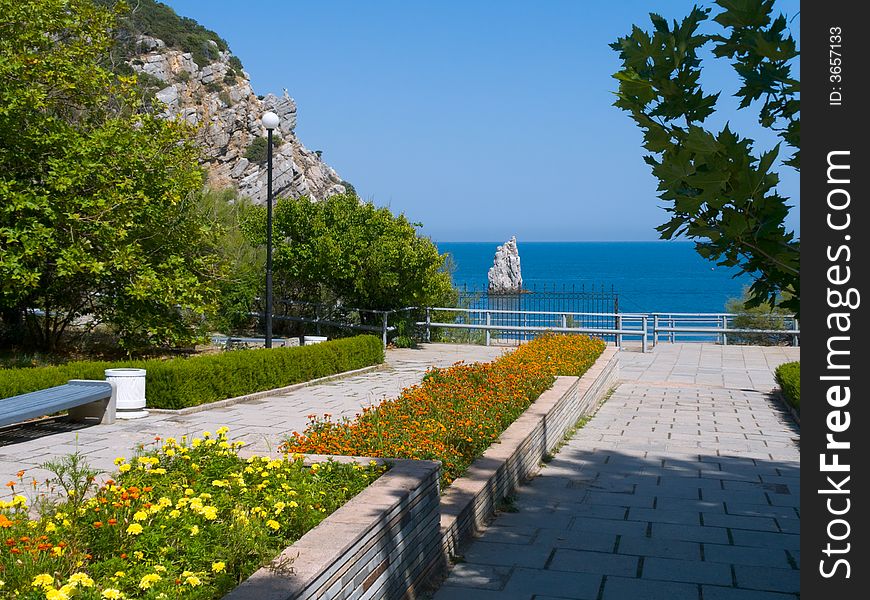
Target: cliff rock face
{"points": [[219, 100], [504, 275]]}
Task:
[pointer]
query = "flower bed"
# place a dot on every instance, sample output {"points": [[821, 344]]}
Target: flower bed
{"points": [[184, 520], [457, 412]]}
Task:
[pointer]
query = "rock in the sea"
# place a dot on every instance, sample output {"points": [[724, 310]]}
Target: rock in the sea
{"points": [[504, 275]]}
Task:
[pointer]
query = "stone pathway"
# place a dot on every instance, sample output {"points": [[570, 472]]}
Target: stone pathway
{"points": [[684, 485], [262, 423]]}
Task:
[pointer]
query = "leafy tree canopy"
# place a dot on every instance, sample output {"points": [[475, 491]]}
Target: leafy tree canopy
{"points": [[719, 191], [362, 255], [98, 217]]}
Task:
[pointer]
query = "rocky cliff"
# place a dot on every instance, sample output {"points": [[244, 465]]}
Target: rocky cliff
{"points": [[219, 100]]}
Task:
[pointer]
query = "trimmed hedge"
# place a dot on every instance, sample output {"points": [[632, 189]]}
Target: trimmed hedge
{"points": [[182, 382], [788, 376]]}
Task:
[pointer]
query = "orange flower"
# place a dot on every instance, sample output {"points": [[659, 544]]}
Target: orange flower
{"points": [[5, 522]]}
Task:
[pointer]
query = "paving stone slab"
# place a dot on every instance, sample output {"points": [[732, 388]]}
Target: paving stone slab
{"points": [[690, 436]]}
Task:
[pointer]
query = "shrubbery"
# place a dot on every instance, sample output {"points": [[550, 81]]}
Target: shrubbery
{"points": [[456, 413], [788, 376], [183, 382], [188, 519]]}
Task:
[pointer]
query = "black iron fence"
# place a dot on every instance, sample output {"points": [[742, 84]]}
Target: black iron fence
{"points": [[544, 306]]}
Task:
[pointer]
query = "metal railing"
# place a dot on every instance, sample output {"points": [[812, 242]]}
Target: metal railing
{"points": [[648, 328], [515, 326]]}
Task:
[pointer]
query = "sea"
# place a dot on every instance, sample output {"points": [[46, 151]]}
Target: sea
{"points": [[660, 276]]}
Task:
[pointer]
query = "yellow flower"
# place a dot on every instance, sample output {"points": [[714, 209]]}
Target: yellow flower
{"points": [[134, 529], [219, 483], [124, 468], [223, 430], [174, 513], [164, 502], [120, 574], [210, 513], [112, 594], [194, 530], [193, 581], [160, 471], [81, 579], [138, 555], [273, 524], [120, 460], [42, 580], [57, 551], [218, 567], [149, 580], [54, 594], [160, 568], [140, 515], [49, 527]]}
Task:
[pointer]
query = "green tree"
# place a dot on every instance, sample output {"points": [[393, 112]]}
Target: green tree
{"points": [[246, 263], [358, 254], [718, 191], [98, 217], [762, 316]]}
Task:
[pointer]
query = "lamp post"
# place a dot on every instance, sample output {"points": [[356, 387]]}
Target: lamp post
{"points": [[270, 122]]}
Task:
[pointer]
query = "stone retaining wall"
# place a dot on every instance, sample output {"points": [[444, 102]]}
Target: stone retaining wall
{"points": [[378, 545], [472, 499], [395, 536]]}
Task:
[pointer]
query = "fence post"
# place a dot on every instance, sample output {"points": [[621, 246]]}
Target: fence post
{"points": [[795, 327], [644, 343], [428, 321], [488, 322], [672, 334], [724, 329], [655, 329], [618, 327], [384, 316], [317, 318], [564, 322]]}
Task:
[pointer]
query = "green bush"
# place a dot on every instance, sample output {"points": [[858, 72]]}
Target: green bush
{"points": [[788, 376], [182, 382], [256, 152]]}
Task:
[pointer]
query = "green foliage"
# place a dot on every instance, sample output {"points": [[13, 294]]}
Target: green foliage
{"points": [[718, 190], [763, 316], [359, 255], [246, 273], [349, 189], [183, 382], [788, 376], [257, 151], [235, 63], [147, 17], [96, 217]]}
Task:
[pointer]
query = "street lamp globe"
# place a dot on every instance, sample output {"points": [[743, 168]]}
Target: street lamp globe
{"points": [[270, 120]]}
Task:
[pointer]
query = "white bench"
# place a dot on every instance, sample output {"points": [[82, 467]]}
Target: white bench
{"points": [[83, 399]]}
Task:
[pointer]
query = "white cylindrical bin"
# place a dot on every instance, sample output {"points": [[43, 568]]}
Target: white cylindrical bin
{"points": [[130, 385], [313, 339]]}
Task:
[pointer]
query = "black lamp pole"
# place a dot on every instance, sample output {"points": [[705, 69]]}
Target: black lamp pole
{"points": [[269, 242]]}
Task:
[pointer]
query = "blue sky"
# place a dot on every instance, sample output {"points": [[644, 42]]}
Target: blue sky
{"points": [[480, 119]]}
